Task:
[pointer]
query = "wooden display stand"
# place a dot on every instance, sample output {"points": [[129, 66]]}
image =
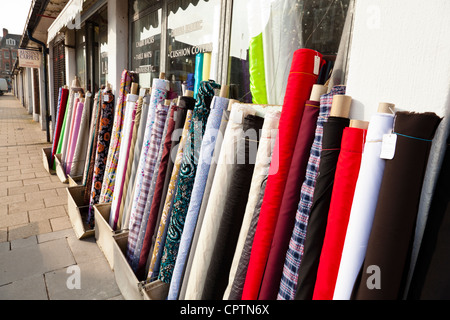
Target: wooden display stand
{"points": [[60, 170], [75, 181], [78, 212]]}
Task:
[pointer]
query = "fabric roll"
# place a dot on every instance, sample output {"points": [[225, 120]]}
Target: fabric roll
{"points": [[81, 143], [91, 135], [289, 202], [203, 207], [392, 232], [159, 240], [363, 207], [430, 277], [137, 211], [62, 104], [302, 77], [129, 166], [157, 196], [198, 73], [89, 172], [347, 170], [72, 103], [216, 201], [122, 162], [239, 280], [160, 89], [262, 164], [206, 66], [64, 126], [236, 202], [103, 142], [294, 253], [333, 130], [218, 106], [108, 186], [135, 163], [186, 180], [434, 166], [66, 154], [74, 136], [149, 220]]}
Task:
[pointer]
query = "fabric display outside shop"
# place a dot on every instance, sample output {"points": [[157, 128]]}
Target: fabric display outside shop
{"points": [[226, 200]]}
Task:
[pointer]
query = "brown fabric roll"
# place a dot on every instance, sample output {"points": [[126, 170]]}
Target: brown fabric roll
{"points": [[383, 274]]}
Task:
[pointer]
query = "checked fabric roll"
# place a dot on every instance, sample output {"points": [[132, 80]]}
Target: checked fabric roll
{"points": [[392, 230], [333, 130], [347, 170], [363, 207], [302, 77]]}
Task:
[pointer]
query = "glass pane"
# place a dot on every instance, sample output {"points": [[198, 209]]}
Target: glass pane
{"points": [[137, 6], [146, 46], [81, 56], [266, 33], [193, 41]]}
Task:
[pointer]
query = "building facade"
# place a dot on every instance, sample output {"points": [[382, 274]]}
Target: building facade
{"points": [[8, 54]]}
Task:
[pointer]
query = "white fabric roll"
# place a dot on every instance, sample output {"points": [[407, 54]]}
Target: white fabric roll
{"points": [[363, 206], [216, 201], [128, 124]]}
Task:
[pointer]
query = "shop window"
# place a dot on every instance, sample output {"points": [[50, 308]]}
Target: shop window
{"points": [[80, 37], [193, 41], [146, 42], [266, 33]]}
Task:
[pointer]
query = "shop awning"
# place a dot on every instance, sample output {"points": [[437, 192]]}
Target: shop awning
{"points": [[67, 18]]}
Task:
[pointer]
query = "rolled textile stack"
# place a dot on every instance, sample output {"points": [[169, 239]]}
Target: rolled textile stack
{"points": [[81, 140], [236, 200], [209, 142], [304, 72], [333, 130], [187, 178], [116, 139], [291, 196], [391, 236], [288, 282], [127, 133], [347, 170], [61, 112], [103, 141], [364, 204], [242, 252], [216, 201]]}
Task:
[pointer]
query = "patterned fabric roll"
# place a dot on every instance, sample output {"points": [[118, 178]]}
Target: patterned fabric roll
{"points": [[103, 142], [187, 178], [114, 150]]}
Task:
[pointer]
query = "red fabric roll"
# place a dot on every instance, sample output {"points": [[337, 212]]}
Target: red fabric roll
{"points": [[304, 72], [289, 204], [59, 122], [347, 171]]}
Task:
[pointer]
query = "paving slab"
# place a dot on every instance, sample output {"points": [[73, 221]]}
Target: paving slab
{"points": [[31, 288]]}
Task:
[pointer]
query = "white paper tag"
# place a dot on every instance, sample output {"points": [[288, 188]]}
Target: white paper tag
{"points": [[106, 98], [388, 147], [316, 65], [237, 116]]}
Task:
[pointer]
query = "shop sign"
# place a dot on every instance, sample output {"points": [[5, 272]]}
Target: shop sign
{"points": [[29, 58]]}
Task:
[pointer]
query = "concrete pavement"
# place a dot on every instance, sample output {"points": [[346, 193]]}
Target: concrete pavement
{"points": [[40, 257]]}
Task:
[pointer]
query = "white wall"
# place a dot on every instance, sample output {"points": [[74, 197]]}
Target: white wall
{"points": [[400, 53]]}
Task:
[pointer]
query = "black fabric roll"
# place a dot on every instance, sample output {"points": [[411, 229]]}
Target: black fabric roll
{"points": [[431, 279], [383, 274], [236, 202], [237, 286], [317, 223]]}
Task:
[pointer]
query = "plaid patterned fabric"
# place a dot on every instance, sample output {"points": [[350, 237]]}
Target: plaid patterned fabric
{"points": [[288, 283], [149, 168]]}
